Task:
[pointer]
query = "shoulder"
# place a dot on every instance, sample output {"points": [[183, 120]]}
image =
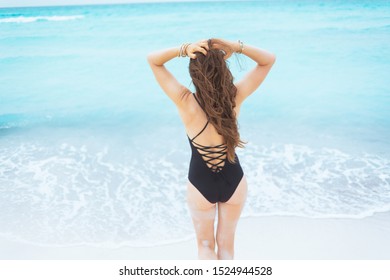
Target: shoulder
{"points": [[187, 106]]}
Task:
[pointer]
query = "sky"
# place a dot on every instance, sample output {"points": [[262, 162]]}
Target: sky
{"points": [[28, 3]]}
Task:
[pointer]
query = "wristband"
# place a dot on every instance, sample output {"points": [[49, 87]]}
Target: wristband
{"points": [[241, 43]]}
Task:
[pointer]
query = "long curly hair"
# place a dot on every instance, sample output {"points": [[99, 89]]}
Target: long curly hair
{"points": [[216, 93]]}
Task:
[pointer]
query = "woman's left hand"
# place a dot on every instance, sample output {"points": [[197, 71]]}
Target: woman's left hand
{"points": [[201, 46]]}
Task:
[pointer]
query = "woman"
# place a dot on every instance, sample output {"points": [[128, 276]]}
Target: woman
{"points": [[210, 117]]}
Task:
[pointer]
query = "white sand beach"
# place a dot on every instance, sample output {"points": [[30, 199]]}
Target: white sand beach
{"points": [[290, 238]]}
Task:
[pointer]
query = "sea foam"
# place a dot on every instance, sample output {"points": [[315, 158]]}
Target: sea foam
{"points": [[72, 194], [23, 19]]}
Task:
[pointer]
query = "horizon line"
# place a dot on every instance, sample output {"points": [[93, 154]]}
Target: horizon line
{"points": [[115, 3]]}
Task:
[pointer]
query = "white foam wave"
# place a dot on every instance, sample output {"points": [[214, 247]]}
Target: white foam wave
{"points": [[80, 196], [317, 183], [68, 194], [23, 19], [357, 216]]}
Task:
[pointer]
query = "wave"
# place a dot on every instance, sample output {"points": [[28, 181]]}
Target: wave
{"points": [[357, 216], [65, 189], [23, 19]]}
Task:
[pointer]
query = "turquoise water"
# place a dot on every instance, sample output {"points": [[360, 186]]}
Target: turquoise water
{"points": [[92, 152]]}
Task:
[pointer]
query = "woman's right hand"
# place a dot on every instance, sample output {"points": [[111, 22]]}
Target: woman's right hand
{"points": [[201, 46]]}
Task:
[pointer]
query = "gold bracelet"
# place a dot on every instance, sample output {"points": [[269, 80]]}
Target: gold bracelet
{"points": [[241, 46], [181, 47], [183, 50]]}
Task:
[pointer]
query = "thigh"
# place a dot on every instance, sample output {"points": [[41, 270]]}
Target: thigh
{"points": [[230, 211], [202, 213]]}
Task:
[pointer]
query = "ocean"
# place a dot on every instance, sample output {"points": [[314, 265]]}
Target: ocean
{"points": [[93, 152]]}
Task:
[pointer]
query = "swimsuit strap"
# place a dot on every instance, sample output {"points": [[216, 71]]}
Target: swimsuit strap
{"points": [[206, 115], [200, 131], [197, 100], [200, 105]]}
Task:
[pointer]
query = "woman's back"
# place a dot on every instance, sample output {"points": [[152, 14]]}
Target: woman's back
{"points": [[210, 119], [194, 119], [204, 136]]}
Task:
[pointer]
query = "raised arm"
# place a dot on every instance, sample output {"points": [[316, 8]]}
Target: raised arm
{"points": [[166, 80], [253, 79]]}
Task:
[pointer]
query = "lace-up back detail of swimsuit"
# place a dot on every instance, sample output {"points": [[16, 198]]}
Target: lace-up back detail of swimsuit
{"points": [[213, 156], [210, 172]]}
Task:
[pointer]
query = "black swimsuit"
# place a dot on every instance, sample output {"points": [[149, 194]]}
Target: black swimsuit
{"points": [[217, 182]]}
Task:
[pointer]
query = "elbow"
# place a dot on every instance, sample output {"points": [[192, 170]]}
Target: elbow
{"points": [[149, 58], [153, 60], [272, 58], [271, 61]]}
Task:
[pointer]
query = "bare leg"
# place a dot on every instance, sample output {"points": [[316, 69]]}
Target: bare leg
{"points": [[228, 215], [203, 217]]}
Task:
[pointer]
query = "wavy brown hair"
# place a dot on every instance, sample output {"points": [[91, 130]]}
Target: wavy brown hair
{"points": [[216, 93]]}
